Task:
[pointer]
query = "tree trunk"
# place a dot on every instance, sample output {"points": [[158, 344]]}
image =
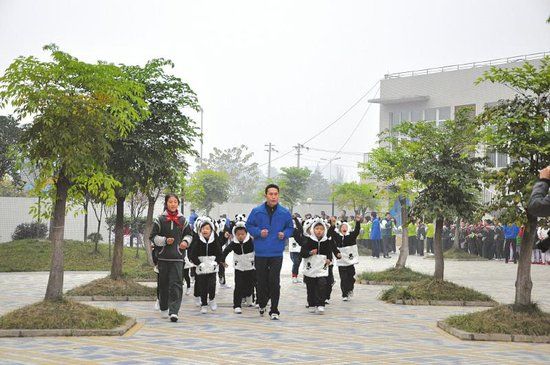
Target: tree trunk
{"points": [[523, 279], [148, 228], [438, 249], [54, 290], [404, 249], [96, 250], [456, 243], [86, 219], [116, 267]]}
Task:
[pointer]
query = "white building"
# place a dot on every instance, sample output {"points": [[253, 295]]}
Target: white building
{"points": [[437, 93]]}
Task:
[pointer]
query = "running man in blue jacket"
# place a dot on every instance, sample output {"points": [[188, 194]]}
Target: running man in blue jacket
{"points": [[271, 225]]}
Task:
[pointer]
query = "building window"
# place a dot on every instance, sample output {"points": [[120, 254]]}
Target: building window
{"points": [[416, 115], [431, 114], [502, 159], [443, 114]]}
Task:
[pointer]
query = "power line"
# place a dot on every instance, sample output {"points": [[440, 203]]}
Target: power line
{"points": [[327, 127], [352, 132]]}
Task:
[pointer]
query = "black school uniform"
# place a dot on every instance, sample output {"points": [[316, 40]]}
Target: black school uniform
{"points": [[170, 258], [347, 273], [245, 274], [205, 279], [317, 287]]}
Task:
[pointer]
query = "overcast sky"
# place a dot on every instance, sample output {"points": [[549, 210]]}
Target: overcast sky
{"points": [[279, 71]]}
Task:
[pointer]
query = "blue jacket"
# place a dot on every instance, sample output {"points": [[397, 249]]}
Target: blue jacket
{"points": [[375, 233], [511, 232], [192, 218], [280, 221]]}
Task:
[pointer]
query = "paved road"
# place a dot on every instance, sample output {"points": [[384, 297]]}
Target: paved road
{"points": [[363, 330]]}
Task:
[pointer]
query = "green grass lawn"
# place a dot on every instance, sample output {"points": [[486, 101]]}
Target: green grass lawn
{"points": [[64, 314], [109, 287], [431, 289], [529, 320], [35, 255], [394, 275]]}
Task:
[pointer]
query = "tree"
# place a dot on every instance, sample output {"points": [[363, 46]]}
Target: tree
{"points": [[207, 187], [444, 163], [391, 164], [152, 157], [292, 182], [243, 174], [520, 127], [77, 109], [359, 197], [10, 133], [318, 188]]}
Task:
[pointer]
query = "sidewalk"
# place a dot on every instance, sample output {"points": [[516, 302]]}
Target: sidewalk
{"points": [[363, 330]]}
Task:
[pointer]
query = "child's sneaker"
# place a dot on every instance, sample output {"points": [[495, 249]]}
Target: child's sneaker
{"points": [[156, 269], [327, 301], [312, 309], [321, 310], [262, 312], [213, 305], [198, 301], [274, 317], [157, 305], [225, 286], [164, 314], [174, 317], [345, 299], [204, 309], [188, 291], [238, 310]]}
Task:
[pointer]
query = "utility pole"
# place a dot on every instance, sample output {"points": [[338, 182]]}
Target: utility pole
{"points": [[270, 148], [202, 138], [298, 153]]}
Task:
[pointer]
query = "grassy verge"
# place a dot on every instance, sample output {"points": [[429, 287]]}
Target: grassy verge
{"points": [[431, 289], [508, 319], [394, 275], [64, 314], [458, 254], [109, 287], [35, 255]]}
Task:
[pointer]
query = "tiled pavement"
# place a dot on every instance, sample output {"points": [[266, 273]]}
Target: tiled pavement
{"points": [[364, 330]]}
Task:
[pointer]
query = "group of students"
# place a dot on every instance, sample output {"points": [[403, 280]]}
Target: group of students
{"points": [[182, 251]]}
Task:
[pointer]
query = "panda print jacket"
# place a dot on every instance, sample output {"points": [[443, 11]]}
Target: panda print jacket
{"points": [[325, 247], [349, 239]]}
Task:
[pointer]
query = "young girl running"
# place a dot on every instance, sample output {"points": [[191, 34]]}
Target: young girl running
{"points": [[346, 241], [206, 255], [172, 234], [242, 247], [317, 252]]}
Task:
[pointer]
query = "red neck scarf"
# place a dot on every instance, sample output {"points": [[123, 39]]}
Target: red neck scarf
{"points": [[173, 217]]}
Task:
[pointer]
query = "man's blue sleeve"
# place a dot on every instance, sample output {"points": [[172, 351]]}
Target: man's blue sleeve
{"points": [[251, 224]]}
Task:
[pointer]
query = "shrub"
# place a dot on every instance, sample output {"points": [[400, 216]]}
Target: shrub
{"points": [[30, 230]]}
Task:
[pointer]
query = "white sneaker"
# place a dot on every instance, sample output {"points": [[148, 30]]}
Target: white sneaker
{"points": [[345, 299], [238, 310], [249, 302], [157, 305], [164, 314], [294, 280], [174, 317], [225, 286], [198, 301], [312, 309], [350, 294], [188, 291], [274, 317], [327, 301], [156, 269], [262, 312], [204, 309], [213, 305], [321, 310]]}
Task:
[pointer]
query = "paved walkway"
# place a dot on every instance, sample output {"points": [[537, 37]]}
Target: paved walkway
{"points": [[364, 330]]}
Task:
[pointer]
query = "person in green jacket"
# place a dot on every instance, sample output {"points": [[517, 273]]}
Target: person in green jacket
{"points": [[430, 232], [365, 237], [411, 230]]}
